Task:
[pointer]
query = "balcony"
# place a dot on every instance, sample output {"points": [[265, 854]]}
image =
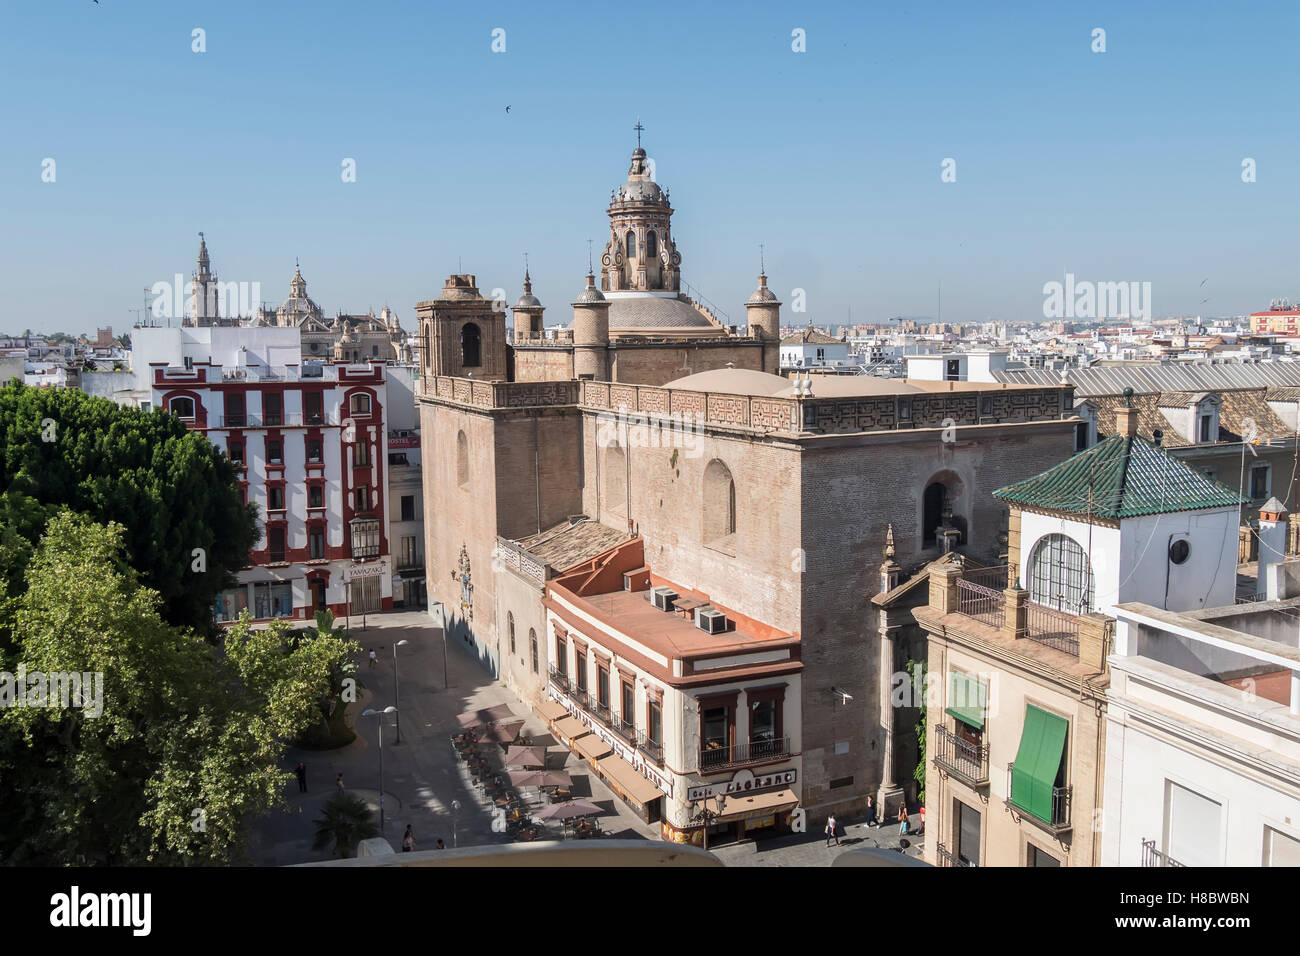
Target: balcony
{"points": [[1153, 857], [558, 679], [964, 760], [947, 858], [1059, 821], [653, 749], [1052, 628], [718, 758], [983, 603], [624, 729]]}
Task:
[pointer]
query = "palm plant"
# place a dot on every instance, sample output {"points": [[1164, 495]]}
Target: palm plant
{"points": [[345, 821]]}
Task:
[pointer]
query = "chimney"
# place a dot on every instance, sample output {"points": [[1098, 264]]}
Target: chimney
{"points": [[1126, 418]]}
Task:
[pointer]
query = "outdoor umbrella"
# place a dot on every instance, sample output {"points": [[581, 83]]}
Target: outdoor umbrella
{"points": [[500, 733], [526, 757], [540, 778], [567, 810], [485, 715]]}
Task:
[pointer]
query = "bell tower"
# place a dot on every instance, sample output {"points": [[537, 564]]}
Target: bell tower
{"points": [[640, 255], [203, 290], [462, 334]]}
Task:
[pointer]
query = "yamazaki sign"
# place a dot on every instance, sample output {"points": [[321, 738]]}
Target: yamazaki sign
{"points": [[745, 781], [359, 571]]}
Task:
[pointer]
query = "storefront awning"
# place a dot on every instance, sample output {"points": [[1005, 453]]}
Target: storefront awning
{"points": [[967, 700], [570, 727], [634, 786], [591, 747], [1038, 761], [758, 804], [552, 710]]}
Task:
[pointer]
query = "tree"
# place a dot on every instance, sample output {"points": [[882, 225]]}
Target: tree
{"points": [[345, 821], [186, 527], [916, 670], [186, 745]]}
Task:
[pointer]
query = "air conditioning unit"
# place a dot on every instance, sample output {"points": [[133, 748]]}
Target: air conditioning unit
{"points": [[710, 619], [663, 598]]}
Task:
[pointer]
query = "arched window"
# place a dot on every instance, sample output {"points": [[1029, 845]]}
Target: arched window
{"points": [[510, 625], [182, 407], [462, 460], [471, 346], [631, 245], [651, 245], [1059, 575], [719, 507], [614, 469], [932, 513]]}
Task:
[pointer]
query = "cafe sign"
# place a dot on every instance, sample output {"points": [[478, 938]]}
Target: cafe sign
{"points": [[743, 783]]}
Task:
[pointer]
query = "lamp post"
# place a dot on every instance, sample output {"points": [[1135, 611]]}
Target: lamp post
{"points": [[705, 815], [455, 809], [371, 712], [397, 700], [442, 618]]}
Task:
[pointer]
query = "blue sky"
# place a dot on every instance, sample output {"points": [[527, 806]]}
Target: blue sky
{"points": [[1123, 165]]}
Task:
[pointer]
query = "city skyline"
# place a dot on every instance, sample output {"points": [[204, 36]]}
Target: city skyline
{"points": [[831, 158]]}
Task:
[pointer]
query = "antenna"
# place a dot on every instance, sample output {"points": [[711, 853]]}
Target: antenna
{"points": [[590, 270], [762, 265]]}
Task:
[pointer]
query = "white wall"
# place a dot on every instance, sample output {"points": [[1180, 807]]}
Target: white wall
{"points": [[1131, 563]]}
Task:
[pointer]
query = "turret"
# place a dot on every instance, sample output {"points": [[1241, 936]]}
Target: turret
{"points": [[591, 333], [763, 310]]}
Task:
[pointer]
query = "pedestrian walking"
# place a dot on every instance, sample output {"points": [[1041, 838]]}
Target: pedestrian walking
{"points": [[374, 658], [903, 825], [338, 782], [921, 829], [301, 771], [408, 840], [832, 831], [871, 813]]}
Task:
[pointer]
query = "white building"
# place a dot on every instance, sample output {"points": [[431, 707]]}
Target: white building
{"points": [[312, 441], [809, 348]]}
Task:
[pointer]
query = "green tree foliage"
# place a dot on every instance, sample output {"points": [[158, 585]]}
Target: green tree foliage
{"points": [[188, 745], [916, 670], [345, 821], [171, 490]]}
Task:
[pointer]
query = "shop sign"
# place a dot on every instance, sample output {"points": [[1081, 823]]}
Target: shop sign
{"points": [[745, 782]]}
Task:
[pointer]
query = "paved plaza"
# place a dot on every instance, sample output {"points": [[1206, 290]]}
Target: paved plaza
{"points": [[423, 778]]}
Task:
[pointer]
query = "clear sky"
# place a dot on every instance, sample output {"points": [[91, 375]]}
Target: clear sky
{"points": [[1123, 165]]}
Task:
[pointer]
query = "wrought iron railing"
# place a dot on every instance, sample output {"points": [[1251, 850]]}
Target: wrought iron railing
{"points": [[1153, 857], [948, 858], [598, 710], [1052, 628], [756, 751], [624, 729], [995, 577], [1060, 812], [981, 603], [960, 757], [558, 678], [654, 749]]}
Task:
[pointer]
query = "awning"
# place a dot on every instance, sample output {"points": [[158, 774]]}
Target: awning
{"points": [[551, 710], [758, 805], [1038, 761], [967, 699], [591, 747], [624, 776], [570, 727]]}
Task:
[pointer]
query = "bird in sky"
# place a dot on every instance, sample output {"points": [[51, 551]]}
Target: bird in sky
{"points": [[507, 108]]}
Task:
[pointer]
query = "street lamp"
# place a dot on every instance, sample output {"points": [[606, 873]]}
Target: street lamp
{"points": [[442, 617], [396, 696], [705, 815], [371, 712], [455, 809]]}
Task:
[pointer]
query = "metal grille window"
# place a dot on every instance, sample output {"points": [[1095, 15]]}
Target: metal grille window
{"points": [[1059, 575], [365, 538], [532, 639]]}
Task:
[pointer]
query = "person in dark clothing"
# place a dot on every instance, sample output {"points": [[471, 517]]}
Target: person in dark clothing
{"points": [[301, 771], [871, 813]]}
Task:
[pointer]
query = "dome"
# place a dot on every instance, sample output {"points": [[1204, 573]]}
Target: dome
{"points": [[763, 293], [528, 301], [590, 294], [639, 190], [734, 381]]}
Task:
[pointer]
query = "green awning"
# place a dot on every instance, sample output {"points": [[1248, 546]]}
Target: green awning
{"points": [[967, 699], [1038, 761]]}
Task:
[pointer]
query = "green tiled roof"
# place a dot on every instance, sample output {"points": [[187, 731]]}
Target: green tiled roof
{"points": [[1127, 477]]}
